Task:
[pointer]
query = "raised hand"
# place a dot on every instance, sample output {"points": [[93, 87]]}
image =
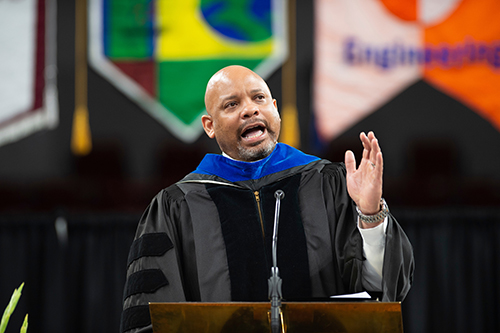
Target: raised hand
{"points": [[364, 184]]}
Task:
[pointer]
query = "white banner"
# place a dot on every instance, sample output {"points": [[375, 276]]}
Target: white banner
{"points": [[28, 93]]}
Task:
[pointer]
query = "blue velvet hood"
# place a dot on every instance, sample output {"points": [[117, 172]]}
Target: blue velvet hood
{"points": [[282, 158]]}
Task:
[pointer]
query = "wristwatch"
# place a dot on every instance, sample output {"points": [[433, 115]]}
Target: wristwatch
{"points": [[380, 216]]}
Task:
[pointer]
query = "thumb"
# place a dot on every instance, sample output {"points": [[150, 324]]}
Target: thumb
{"points": [[350, 162]]}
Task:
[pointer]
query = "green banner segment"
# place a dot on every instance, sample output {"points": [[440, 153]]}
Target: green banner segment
{"points": [[162, 53], [179, 81], [128, 30]]}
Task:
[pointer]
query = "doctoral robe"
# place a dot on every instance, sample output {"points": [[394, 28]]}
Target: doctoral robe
{"points": [[208, 237]]}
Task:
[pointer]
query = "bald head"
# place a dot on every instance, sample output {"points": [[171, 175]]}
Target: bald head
{"points": [[242, 114], [224, 78]]}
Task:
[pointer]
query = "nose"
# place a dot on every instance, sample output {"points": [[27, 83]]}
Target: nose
{"points": [[249, 110]]}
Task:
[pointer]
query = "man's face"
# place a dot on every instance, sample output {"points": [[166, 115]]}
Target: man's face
{"points": [[242, 115]]}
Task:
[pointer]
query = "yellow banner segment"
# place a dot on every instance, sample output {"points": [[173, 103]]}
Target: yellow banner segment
{"points": [[178, 21]]}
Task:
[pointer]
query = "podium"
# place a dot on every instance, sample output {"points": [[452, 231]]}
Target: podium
{"points": [[297, 317]]}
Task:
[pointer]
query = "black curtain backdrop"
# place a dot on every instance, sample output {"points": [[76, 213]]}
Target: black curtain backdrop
{"points": [[457, 257], [75, 284], [73, 279]]}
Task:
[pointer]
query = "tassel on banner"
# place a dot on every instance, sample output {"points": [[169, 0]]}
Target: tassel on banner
{"points": [[81, 142], [290, 129], [81, 139]]}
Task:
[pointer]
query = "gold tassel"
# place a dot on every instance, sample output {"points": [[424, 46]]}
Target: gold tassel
{"points": [[81, 140], [290, 129]]}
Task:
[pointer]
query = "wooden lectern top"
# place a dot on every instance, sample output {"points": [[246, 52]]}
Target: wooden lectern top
{"points": [[298, 317]]}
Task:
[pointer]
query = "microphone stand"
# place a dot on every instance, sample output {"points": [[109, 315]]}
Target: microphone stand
{"points": [[274, 282]]}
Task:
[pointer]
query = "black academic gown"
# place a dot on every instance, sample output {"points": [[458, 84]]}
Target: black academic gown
{"points": [[208, 237]]}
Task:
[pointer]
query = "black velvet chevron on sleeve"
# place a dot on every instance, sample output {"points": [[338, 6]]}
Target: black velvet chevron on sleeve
{"points": [[145, 281], [135, 317], [155, 244]]}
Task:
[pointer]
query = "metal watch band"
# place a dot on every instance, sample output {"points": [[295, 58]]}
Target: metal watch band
{"points": [[380, 216]]}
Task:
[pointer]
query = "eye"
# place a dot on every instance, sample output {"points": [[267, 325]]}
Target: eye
{"points": [[260, 97], [229, 105]]}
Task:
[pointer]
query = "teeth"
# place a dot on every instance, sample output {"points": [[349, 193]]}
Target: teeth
{"points": [[253, 132], [256, 134]]}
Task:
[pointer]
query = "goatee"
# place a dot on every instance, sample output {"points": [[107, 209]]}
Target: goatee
{"points": [[256, 153]]}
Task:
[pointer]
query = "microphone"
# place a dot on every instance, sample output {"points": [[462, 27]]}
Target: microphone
{"points": [[274, 282]]}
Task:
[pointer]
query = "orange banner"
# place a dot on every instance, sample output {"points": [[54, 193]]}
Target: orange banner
{"points": [[369, 51]]}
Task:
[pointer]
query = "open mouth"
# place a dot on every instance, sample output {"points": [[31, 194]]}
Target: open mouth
{"points": [[253, 131]]}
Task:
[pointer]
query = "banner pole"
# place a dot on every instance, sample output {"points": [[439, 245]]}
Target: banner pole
{"points": [[81, 142], [290, 129]]}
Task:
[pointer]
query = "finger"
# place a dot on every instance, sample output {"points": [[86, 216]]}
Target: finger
{"points": [[367, 147], [366, 154], [375, 149], [364, 140], [350, 162], [379, 165], [380, 160], [370, 137]]}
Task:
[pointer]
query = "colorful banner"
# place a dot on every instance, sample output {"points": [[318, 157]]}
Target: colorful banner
{"points": [[368, 51], [28, 93], [162, 53]]}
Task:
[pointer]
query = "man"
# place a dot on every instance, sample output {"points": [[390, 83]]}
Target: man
{"points": [[208, 237]]}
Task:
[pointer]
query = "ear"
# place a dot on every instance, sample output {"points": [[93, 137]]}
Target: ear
{"points": [[208, 125], [275, 104]]}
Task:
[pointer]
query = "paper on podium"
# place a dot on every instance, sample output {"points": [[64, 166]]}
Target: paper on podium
{"points": [[361, 295]]}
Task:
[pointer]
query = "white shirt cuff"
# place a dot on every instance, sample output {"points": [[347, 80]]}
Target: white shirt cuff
{"points": [[373, 249], [374, 236]]}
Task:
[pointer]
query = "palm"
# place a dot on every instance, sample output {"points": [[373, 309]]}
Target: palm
{"points": [[364, 184]]}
